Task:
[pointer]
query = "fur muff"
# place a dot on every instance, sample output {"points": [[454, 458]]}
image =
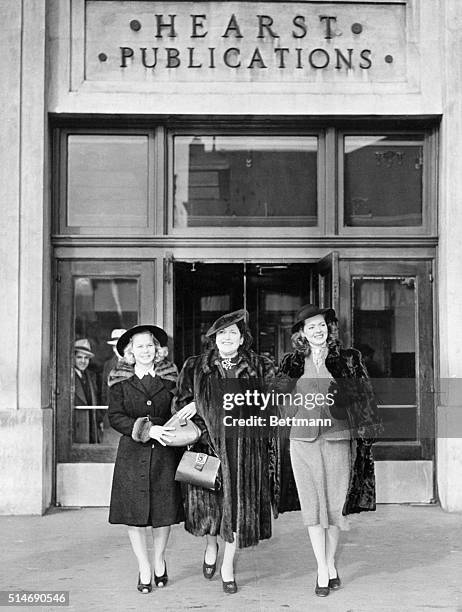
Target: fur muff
{"points": [[209, 512], [355, 396]]}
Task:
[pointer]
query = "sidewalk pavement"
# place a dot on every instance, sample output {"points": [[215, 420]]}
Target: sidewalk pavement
{"points": [[399, 558]]}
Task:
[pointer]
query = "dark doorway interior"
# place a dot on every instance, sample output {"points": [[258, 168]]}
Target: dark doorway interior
{"points": [[272, 293]]}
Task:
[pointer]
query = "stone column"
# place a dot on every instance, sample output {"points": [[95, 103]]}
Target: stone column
{"points": [[25, 405], [449, 303]]}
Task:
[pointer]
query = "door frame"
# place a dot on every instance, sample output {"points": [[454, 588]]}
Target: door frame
{"points": [[169, 283], [144, 271], [422, 269]]}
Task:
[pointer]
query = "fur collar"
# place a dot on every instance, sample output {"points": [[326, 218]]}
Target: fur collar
{"points": [[247, 363]]}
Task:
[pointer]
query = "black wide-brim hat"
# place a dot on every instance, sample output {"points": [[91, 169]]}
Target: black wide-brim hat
{"points": [[311, 310], [158, 333], [226, 320]]}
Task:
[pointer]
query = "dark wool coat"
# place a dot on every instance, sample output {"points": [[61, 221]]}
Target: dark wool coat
{"points": [[79, 394], [144, 491], [354, 400], [210, 512], [87, 424]]}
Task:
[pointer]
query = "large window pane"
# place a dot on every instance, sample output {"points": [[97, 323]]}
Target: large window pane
{"points": [[107, 181], [100, 306], [384, 331], [383, 181], [245, 181]]}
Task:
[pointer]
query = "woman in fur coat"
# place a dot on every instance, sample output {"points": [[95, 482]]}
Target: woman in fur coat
{"points": [[331, 456], [240, 511]]}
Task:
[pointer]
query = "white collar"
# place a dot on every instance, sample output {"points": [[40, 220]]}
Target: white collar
{"points": [[141, 371]]}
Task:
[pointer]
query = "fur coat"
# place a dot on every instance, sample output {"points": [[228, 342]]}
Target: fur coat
{"points": [[354, 400], [210, 512]]}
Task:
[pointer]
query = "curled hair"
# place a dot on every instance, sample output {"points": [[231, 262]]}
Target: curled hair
{"points": [[301, 344], [245, 333], [129, 357]]}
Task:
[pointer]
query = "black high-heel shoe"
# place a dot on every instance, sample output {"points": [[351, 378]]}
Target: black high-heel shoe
{"points": [[209, 569], [335, 583], [161, 581], [142, 587], [321, 591], [229, 587]]}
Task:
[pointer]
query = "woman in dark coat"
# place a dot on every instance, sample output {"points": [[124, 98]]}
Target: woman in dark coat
{"points": [[240, 512], [144, 492], [331, 456]]}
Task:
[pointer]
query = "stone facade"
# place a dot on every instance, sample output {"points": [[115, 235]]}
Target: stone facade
{"points": [[44, 70]]}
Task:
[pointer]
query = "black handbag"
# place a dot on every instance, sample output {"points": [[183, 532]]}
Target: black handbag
{"points": [[199, 469]]}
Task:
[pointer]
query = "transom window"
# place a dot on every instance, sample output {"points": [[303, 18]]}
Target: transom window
{"points": [[278, 181], [383, 178], [245, 181]]}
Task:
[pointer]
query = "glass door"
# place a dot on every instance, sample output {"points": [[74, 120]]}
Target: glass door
{"points": [[94, 299], [388, 315], [326, 282]]}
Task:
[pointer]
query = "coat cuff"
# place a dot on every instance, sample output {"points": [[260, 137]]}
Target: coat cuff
{"points": [[140, 431]]}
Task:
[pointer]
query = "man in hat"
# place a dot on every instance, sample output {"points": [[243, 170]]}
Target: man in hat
{"points": [[111, 363], [87, 424]]}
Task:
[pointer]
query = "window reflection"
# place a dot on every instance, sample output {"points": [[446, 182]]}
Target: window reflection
{"points": [[107, 181], [103, 309], [245, 181], [384, 331], [383, 180]]}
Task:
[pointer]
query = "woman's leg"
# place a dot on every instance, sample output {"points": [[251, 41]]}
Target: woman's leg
{"points": [[317, 535], [227, 567], [332, 537], [160, 536], [139, 544], [211, 549]]}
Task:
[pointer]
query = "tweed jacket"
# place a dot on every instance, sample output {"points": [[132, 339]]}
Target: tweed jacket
{"points": [[317, 383]]}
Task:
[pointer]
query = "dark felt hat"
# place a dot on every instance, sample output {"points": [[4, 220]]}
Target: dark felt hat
{"points": [[228, 319], [125, 338], [311, 310]]}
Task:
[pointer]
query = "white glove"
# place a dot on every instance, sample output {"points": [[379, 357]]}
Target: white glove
{"points": [[161, 434], [187, 411]]}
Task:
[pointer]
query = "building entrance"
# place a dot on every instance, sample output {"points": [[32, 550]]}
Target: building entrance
{"points": [[271, 292], [383, 306]]}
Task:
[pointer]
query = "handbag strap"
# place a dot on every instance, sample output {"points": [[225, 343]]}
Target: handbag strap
{"points": [[211, 446]]}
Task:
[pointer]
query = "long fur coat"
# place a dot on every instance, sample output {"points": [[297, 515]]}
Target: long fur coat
{"points": [[210, 512], [354, 400]]}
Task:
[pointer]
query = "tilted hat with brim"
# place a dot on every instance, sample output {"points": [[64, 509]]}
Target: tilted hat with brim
{"points": [[83, 346], [227, 320], [115, 335], [311, 310], [125, 338]]}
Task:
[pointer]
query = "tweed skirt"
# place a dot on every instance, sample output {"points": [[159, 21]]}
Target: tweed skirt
{"points": [[321, 470]]}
